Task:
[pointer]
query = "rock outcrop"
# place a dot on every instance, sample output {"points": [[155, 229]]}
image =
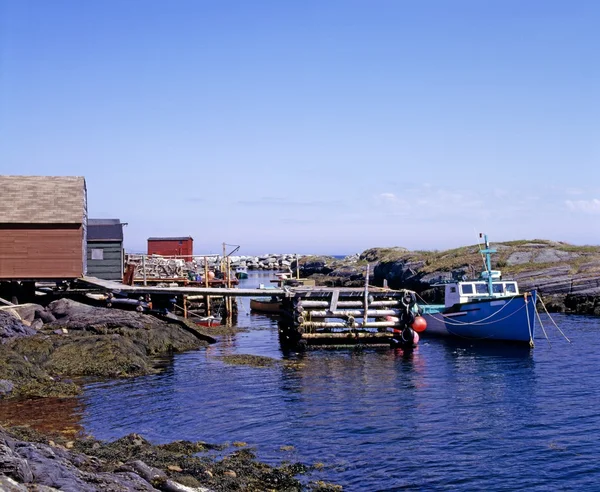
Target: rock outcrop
{"points": [[82, 340], [32, 461], [11, 326]]}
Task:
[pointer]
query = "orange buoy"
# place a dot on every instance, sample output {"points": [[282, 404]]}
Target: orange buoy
{"points": [[211, 275], [419, 324]]}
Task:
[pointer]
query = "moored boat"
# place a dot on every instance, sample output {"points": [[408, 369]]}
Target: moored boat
{"points": [[488, 308], [207, 321], [269, 306]]}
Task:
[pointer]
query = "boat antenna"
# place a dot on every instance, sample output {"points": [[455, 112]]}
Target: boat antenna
{"points": [[488, 258], [481, 252]]}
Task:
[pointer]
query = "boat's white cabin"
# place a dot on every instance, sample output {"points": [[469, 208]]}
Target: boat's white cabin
{"points": [[461, 292]]}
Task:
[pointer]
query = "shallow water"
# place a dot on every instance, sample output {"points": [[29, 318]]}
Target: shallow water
{"points": [[459, 416]]}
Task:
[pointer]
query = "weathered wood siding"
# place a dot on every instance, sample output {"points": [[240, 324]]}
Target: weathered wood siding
{"points": [[111, 265], [41, 252]]}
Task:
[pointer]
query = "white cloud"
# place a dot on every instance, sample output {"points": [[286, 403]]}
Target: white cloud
{"points": [[574, 191], [585, 206], [387, 198]]}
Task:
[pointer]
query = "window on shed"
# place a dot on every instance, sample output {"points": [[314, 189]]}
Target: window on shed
{"points": [[97, 254]]}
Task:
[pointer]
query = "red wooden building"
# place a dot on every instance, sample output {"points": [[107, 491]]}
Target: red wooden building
{"points": [[172, 246], [43, 227]]}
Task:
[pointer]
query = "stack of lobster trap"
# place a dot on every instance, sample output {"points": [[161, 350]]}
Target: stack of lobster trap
{"points": [[343, 316]]}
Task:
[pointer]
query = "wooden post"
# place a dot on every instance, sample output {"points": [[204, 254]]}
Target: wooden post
{"points": [[366, 299], [4, 301], [207, 305], [205, 272], [185, 302], [223, 258], [143, 269], [228, 273]]}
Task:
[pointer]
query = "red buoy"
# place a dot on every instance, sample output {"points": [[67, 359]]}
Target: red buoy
{"points": [[419, 324]]}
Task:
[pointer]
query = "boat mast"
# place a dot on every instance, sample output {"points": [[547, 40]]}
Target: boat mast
{"points": [[488, 262]]}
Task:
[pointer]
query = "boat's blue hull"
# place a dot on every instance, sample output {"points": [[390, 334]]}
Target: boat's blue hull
{"points": [[507, 318]]}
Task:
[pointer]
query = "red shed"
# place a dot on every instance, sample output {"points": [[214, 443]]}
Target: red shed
{"points": [[171, 246]]}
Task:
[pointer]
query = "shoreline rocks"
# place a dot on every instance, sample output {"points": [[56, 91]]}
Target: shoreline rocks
{"points": [[28, 458], [81, 341]]}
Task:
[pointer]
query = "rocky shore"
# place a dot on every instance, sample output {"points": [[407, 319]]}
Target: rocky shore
{"points": [[33, 461], [567, 277], [43, 349], [47, 351]]}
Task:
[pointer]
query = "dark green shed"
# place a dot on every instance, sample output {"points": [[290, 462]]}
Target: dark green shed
{"points": [[105, 249]]}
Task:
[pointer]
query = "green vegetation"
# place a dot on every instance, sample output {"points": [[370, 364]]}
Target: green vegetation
{"points": [[468, 257], [250, 360]]}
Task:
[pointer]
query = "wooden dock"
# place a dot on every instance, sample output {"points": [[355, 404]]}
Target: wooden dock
{"points": [[310, 315], [119, 287]]}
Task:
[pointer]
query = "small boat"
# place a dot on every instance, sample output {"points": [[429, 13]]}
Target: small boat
{"points": [[269, 306], [207, 321], [488, 308]]}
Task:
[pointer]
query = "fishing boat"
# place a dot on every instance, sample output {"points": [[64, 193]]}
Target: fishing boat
{"points": [[488, 308], [241, 273], [264, 305]]}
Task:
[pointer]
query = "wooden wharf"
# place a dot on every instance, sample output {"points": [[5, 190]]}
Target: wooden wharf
{"points": [[310, 315], [137, 289]]}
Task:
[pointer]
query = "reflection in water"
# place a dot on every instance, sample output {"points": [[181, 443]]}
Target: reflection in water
{"points": [[47, 415]]}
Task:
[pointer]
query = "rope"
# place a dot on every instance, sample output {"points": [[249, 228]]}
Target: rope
{"points": [[192, 313], [542, 326], [561, 332], [457, 322], [528, 321]]}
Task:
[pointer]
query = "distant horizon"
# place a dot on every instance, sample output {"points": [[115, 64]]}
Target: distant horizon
{"points": [[272, 252]]}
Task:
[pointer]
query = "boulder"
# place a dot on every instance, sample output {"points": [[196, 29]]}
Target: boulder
{"points": [[11, 327]]}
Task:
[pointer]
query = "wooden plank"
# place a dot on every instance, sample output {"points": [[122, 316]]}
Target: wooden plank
{"points": [[334, 299], [211, 291]]}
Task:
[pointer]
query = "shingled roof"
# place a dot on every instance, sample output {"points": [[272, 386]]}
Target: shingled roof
{"points": [[42, 199], [104, 230]]}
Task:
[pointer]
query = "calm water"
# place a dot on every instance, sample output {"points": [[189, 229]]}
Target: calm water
{"points": [[449, 416]]}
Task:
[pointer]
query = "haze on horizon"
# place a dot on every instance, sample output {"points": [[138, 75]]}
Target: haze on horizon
{"points": [[311, 127]]}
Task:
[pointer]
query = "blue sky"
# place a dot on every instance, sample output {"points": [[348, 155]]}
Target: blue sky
{"points": [[308, 126]]}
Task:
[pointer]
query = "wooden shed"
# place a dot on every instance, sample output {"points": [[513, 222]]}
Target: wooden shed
{"points": [[171, 246], [43, 222], [105, 249]]}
